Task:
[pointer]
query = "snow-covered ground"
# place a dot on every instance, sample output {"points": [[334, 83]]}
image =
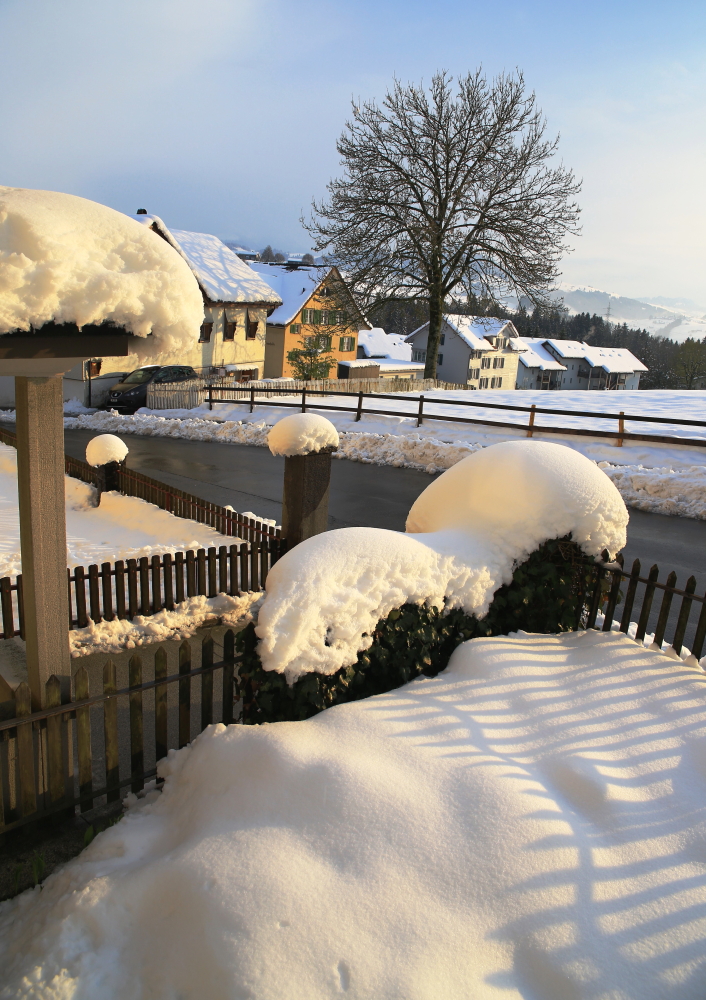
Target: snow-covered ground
{"points": [[121, 528], [666, 479], [528, 824]]}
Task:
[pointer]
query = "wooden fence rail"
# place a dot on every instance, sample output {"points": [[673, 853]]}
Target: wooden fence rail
{"points": [[215, 392], [148, 585], [67, 757]]}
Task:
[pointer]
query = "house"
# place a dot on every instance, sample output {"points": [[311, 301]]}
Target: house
{"points": [[480, 351], [391, 353], [316, 302], [569, 364]]}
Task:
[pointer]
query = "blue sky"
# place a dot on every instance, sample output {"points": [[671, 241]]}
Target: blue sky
{"points": [[222, 115]]}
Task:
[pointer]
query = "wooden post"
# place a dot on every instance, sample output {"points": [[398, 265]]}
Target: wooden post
{"points": [[420, 412], [307, 480], [303, 400], [621, 430], [252, 399], [530, 425], [40, 482], [359, 411]]}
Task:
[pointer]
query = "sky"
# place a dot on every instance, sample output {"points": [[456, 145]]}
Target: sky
{"points": [[222, 116]]}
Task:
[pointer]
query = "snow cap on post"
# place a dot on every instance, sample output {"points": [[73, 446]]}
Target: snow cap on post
{"points": [[302, 434], [70, 260], [105, 448]]}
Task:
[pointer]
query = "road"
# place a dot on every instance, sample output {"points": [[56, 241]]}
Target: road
{"points": [[250, 479]]}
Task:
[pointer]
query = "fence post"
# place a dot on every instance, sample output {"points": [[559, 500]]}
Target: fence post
{"points": [[252, 399], [184, 694], [621, 430], [530, 425], [307, 481], [25, 751], [303, 400], [420, 412], [210, 398], [360, 406]]}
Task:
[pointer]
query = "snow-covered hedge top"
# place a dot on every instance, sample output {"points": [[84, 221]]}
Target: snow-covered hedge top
{"points": [[105, 448], [71, 260], [302, 433], [467, 532]]}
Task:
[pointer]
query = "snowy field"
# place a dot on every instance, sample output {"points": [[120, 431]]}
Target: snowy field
{"points": [[528, 824], [666, 479]]}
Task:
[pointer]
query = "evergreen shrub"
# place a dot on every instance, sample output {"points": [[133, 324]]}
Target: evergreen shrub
{"points": [[547, 594]]}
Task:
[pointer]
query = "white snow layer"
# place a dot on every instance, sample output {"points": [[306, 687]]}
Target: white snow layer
{"points": [[105, 448], [71, 260], [468, 530], [528, 824], [301, 434]]}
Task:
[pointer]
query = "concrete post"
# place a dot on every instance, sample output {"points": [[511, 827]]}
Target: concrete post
{"points": [[40, 482], [307, 479]]}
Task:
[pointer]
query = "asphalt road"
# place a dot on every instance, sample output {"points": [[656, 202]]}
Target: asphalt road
{"points": [[378, 496]]}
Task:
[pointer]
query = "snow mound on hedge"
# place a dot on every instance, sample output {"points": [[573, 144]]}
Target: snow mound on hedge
{"points": [[301, 434], [467, 532], [71, 260], [105, 448], [530, 823]]}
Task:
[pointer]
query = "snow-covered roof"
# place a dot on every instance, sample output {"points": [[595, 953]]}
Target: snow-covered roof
{"points": [[535, 355], [378, 344], [222, 275], [361, 363], [70, 260], [394, 365], [611, 359], [474, 330], [293, 286]]}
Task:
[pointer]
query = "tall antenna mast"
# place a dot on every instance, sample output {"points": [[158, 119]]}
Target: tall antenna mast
{"points": [[607, 315]]}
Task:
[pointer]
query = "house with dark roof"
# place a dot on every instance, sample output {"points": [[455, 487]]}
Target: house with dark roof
{"points": [[316, 302], [479, 351]]}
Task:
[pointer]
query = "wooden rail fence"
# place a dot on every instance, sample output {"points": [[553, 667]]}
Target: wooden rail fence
{"points": [[215, 392]]}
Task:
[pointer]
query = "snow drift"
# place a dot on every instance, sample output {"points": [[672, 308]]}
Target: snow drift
{"points": [[467, 532], [528, 824], [71, 260]]}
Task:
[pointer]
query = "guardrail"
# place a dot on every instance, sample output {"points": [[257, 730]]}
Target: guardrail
{"points": [[530, 428]]}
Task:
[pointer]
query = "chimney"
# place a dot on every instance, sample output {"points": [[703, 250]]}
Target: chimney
{"points": [[141, 211]]}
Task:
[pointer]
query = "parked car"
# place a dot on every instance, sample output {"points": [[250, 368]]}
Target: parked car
{"points": [[131, 393]]}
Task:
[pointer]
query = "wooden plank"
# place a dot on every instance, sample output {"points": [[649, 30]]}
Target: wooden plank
{"points": [[184, 694], [156, 584], [144, 586], [25, 752], [137, 756], [646, 604], [264, 561], [120, 589], [94, 593], [613, 595], [190, 574], [168, 581], [228, 676], [234, 589], [630, 597], [80, 588], [207, 683], [110, 732], [21, 605], [698, 643], [83, 740], [201, 566], [131, 588], [244, 568], [179, 573], [664, 610], [684, 613], [8, 616], [254, 566], [160, 705], [107, 591], [212, 572], [55, 768], [223, 569]]}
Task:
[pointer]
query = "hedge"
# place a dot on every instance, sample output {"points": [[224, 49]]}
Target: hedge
{"points": [[546, 594]]}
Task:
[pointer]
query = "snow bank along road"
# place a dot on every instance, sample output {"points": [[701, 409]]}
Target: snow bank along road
{"points": [[530, 823], [667, 479]]}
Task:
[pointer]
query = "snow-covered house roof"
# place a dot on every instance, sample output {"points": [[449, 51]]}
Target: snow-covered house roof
{"points": [[474, 330], [376, 343], [616, 360], [294, 286], [535, 355], [221, 274], [75, 261]]}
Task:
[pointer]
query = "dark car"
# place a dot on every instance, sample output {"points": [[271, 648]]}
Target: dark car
{"points": [[130, 394]]}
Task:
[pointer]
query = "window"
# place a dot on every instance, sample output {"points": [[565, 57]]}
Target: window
{"points": [[347, 344], [228, 330], [498, 362], [325, 317], [251, 326], [474, 372], [440, 359], [295, 329], [324, 291], [485, 362], [311, 316], [499, 343], [441, 339], [495, 383], [483, 383], [419, 355], [476, 355], [206, 331]]}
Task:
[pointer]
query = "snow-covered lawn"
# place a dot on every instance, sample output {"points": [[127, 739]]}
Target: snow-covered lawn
{"points": [[528, 824], [667, 479]]}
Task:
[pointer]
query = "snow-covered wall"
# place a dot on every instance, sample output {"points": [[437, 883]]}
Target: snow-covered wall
{"points": [[71, 260]]}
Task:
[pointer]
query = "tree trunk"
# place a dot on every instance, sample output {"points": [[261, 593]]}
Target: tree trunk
{"points": [[436, 305]]}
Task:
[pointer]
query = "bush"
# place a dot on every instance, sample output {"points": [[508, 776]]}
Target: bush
{"points": [[546, 595]]}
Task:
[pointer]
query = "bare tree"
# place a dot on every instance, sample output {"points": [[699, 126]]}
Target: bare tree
{"points": [[447, 193]]}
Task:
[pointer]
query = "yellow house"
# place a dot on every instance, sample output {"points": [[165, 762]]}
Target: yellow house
{"points": [[316, 302]]}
